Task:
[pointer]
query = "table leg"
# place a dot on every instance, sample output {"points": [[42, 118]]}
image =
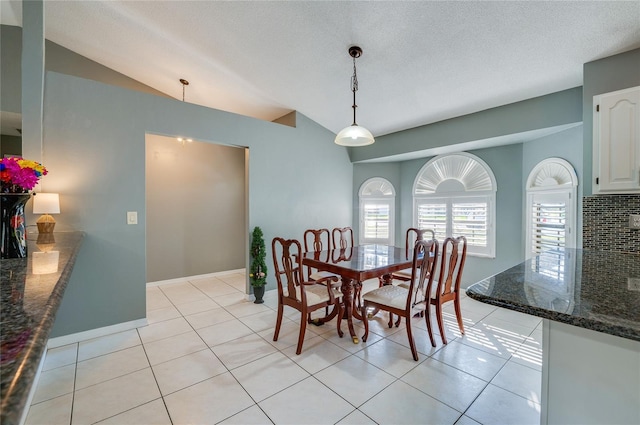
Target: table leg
{"points": [[347, 296], [357, 286]]}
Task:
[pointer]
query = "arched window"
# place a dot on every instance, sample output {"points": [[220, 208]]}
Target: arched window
{"points": [[377, 211], [551, 207], [455, 195]]}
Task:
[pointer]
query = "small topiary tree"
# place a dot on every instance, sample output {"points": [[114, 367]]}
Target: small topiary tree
{"points": [[258, 269]]}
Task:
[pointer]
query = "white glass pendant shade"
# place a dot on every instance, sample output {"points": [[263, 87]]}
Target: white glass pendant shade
{"points": [[354, 136]]}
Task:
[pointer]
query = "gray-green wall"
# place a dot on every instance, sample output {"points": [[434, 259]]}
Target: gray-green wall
{"points": [[552, 110], [567, 145], [10, 71], [10, 145], [387, 170], [95, 136], [505, 162], [510, 164], [602, 76]]}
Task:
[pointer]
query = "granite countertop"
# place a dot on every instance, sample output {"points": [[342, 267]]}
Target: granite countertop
{"points": [[595, 290], [31, 291]]}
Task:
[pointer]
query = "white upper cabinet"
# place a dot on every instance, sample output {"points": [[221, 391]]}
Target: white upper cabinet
{"points": [[616, 142]]}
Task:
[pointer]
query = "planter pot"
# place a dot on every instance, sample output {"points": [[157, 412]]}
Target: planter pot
{"points": [[14, 228], [258, 292]]}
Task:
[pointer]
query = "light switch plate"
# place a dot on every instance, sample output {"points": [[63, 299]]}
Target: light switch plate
{"points": [[634, 221], [132, 217]]}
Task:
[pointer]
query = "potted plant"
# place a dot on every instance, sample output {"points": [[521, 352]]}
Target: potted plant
{"points": [[258, 269]]}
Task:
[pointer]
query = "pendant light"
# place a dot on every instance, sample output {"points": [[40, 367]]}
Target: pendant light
{"points": [[354, 135]]}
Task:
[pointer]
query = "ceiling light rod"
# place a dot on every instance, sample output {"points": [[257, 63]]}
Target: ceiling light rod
{"points": [[354, 135], [184, 84], [184, 140]]}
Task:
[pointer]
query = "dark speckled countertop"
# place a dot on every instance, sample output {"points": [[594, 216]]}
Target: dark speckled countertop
{"points": [[29, 303], [595, 290]]}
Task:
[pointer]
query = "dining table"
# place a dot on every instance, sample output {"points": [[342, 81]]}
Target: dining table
{"points": [[356, 264]]}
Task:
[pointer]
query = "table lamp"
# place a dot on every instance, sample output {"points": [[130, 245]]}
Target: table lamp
{"points": [[46, 204]]}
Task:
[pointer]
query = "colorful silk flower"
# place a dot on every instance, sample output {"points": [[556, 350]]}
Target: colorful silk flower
{"points": [[19, 175]]}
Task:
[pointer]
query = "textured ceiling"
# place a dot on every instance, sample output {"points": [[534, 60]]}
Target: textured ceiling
{"points": [[423, 61]]}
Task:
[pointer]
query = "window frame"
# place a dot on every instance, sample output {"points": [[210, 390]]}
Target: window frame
{"points": [[548, 180], [364, 199], [452, 196]]}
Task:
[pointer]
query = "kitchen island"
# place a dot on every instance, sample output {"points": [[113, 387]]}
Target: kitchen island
{"points": [[31, 291], [590, 303]]}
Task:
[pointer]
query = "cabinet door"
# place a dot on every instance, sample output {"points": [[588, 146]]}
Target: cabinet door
{"points": [[617, 141]]}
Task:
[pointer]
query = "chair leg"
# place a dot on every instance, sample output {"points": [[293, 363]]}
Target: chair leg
{"points": [[456, 304], [441, 322], [365, 319], [278, 321], [412, 343], [303, 328], [341, 310], [427, 318], [390, 320]]}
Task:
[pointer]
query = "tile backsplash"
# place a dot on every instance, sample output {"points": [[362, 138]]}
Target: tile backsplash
{"points": [[605, 223]]}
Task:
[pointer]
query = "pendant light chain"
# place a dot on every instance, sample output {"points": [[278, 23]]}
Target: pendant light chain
{"points": [[354, 89], [354, 79]]}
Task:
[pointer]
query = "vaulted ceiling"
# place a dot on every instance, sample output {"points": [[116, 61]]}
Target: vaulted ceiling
{"points": [[423, 61]]}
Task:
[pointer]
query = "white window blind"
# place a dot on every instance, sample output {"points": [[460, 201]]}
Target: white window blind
{"points": [[458, 216], [470, 219], [376, 218], [433, 215], [548, 225], [376, 212]]}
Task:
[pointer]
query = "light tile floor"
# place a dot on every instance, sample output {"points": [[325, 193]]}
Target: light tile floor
{"points": [[207, 356]]}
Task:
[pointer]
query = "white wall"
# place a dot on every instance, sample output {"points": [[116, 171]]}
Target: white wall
{"points": [[195, 200]]}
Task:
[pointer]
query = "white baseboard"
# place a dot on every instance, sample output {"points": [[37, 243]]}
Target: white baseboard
{"points": [[200, 276], [95, 333], [32, 391]]}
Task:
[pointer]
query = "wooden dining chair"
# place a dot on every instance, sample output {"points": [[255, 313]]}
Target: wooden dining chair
{"points": [[413, 234], [342, 237], [454, 254], [294, 291], [403, 301], [319, 241]]}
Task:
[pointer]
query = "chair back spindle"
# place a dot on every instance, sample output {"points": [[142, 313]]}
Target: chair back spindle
{"points": [[342, 237]]}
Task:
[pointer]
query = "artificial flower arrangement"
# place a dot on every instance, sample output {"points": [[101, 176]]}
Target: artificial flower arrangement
{"points": [[19, 175]]}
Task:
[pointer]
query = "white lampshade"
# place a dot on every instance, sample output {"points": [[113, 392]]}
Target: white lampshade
{"points": [[354, 136], [46, 203]]}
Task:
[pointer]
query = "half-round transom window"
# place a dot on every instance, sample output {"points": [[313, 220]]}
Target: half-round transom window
{"points": [[452, 173], [377, 187], [454, 195]]}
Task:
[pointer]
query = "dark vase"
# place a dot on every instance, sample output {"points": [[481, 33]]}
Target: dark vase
{"points": [[258, 292], [14, 228]]}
